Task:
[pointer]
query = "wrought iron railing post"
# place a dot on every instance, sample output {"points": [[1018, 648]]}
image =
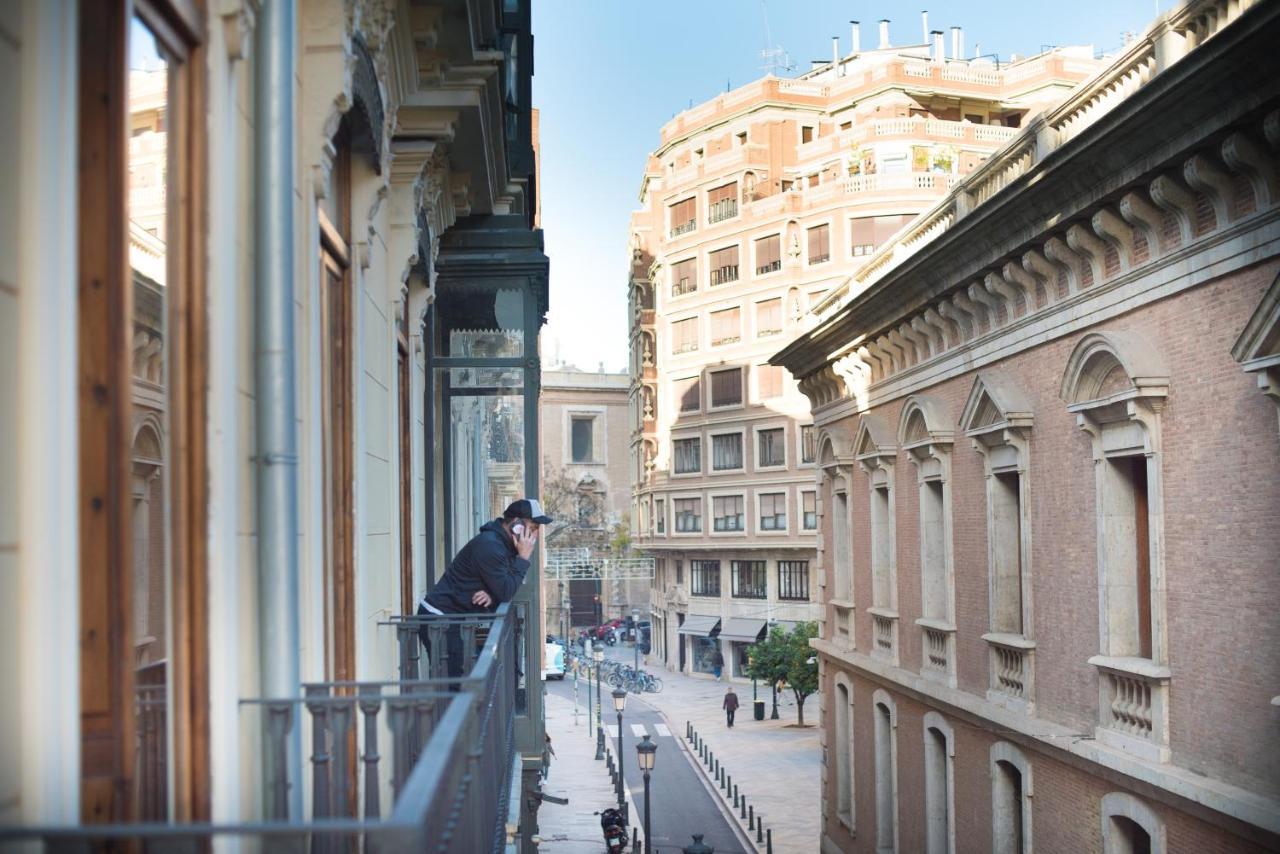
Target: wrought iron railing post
{"points": [[370, 703], [320, 759], [278, 725], [340, 721]]}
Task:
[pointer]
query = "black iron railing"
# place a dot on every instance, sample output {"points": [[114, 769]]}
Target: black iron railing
{"points": [[443, 747]]}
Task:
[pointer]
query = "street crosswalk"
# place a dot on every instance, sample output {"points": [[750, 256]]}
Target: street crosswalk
{"points": [[639, 730]]}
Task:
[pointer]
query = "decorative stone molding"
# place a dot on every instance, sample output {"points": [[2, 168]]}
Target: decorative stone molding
{"points": [[997, 417], [875, 450], [1125, 805], [1258, 347], [1004, 838], [926, 433], [1116, 384], [238, 19]]}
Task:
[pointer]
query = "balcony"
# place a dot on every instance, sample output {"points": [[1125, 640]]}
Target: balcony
{"points": [[724, 275], [1133, 706], [683, 228], [684, 286], [884, 634], [722, 210], [938, 655], [771, 267], [1012, 675], [415, 764]]}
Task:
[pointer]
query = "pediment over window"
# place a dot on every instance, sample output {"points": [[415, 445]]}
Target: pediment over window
{"points": [[874, 439], [996, 402], [1258, 347], [1107, 368], [925, 420], [834, 449]]}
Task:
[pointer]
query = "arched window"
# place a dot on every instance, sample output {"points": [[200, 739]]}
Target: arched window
{"points": [[1010, 800], [876, 452], [997, 418], [843, 723], [1116, 384], [833, 459], [925, 432], [939, 784], [886, 769], [1130, 826]]}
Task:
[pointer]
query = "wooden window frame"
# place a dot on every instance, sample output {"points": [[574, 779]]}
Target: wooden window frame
{"points": [[104, 316]]}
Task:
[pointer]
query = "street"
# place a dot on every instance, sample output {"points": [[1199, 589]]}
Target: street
{"points": [[681, 805]]}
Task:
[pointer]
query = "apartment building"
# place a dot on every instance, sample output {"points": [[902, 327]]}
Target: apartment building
{"points": [[268, 356], [1048, 473], [756, 207]]}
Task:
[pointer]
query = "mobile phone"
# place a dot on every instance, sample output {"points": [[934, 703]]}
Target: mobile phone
{"points": [[517, 528]]}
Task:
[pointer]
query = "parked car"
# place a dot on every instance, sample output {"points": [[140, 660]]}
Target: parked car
{"points": [[553, 660]]}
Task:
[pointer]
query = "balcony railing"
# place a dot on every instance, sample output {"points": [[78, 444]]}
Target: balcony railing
{"points": [[724, 275], [684, 228], [768, 268], [1133, 706], [442, 748], [683, 286], [723, 210]]}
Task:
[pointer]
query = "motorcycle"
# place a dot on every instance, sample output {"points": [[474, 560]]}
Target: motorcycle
{"points": [[615, 831]]}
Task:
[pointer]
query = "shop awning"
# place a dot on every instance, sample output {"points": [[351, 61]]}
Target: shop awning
{"points": [[743, 629], [699, 625]]}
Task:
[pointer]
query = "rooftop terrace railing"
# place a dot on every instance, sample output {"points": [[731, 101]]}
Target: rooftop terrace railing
{"points": [[415, 764]]}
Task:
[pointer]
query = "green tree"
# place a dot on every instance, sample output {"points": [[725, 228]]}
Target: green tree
{"points": [[798, 664]]}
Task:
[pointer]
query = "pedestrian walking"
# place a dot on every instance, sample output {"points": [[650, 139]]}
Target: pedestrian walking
{"points": [[717, 663], [730, 705], [487, 572]]}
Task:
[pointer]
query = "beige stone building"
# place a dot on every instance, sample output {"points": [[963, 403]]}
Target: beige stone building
{"points": [[269, 321], [756, 207], [1049, 472], [583, 419]]}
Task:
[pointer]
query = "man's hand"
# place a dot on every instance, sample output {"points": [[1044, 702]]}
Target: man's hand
{"points": [[526, 540], [483, 599]]}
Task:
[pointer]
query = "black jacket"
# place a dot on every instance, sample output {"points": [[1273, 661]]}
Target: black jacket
{"points": [[488, 562]]}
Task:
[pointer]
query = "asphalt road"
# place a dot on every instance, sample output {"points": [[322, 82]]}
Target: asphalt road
{"points": [[680, 803]]}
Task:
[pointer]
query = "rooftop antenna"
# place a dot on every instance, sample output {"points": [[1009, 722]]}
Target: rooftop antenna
{"points": [[774, 57]]}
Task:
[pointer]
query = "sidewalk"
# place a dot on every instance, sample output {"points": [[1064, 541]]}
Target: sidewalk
{"points": [[774, 763], [575, 773]]}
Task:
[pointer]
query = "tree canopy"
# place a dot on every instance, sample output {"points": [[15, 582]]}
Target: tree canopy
{"points": [[785, 656]]}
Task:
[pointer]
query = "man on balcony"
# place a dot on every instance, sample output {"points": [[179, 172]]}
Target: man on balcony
{"points": [[485, 573]]}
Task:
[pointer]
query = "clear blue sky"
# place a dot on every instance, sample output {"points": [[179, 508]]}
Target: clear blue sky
{"points": [[610, 73]]}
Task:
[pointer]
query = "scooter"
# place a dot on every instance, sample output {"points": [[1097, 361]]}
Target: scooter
{"points": [[615, 831]]}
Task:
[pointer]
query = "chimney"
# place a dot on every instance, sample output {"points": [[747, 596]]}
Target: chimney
{"points": [[835, 53], [957, 43], [939, 44], [884, 33], [924, 25], [857, 37]]}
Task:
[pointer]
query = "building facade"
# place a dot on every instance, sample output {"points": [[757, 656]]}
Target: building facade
{"points": [[1048, 471], [756, 207], [583, 416], [269, 357]]}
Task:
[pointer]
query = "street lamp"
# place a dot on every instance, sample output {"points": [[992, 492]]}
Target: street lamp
{"points": [[620, 703], [647, 753], [597, 655]]}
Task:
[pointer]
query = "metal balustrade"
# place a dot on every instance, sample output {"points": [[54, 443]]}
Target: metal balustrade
{"points": [[443, 748]]}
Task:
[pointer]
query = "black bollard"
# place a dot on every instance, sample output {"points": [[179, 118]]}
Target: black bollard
{"points": [[760, 829], [744, 807], [768, 845], [735, 797], [751, 817]]}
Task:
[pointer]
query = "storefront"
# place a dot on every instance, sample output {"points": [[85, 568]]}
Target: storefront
{"points": [[741, 633], [702, 633]]}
